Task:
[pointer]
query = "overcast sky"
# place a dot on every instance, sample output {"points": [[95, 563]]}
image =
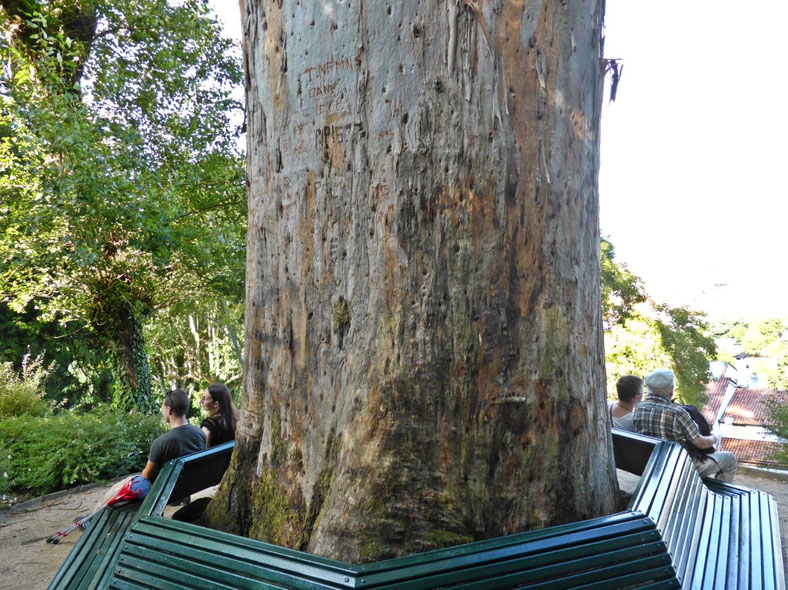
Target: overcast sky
{"points": [[692, 181], [692, 185]]}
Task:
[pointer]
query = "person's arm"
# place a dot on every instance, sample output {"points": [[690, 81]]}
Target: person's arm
{"points": [[207, 437], [155, 457], [693, 434], [150, 471], [704, 442]]}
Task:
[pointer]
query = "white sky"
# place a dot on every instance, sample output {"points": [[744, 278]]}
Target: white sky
{"points": [[230, 15], [692, 181]]}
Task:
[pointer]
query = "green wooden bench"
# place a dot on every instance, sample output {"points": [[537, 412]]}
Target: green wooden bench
{"points": [[88, 564], [667, 539], [620, 551], [720, 535]]}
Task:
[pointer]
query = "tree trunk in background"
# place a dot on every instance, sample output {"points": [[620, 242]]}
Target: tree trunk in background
{"points": [[424, 362], [130, 370]]}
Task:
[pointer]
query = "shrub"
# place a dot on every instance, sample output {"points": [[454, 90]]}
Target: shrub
{"points": [[777, 410], [21, 395], [56, 452]]}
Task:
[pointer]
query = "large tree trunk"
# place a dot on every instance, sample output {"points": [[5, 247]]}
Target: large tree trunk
{"points": [[424, 361]]}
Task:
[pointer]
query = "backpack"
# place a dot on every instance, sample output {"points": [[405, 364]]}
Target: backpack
{"points": [[705, 430]]}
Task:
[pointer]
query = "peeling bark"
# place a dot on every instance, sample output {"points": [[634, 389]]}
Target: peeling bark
{"points": [[424, 361]]}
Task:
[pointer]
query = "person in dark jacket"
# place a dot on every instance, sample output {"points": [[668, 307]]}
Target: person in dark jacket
{"points": [[219, 427]]}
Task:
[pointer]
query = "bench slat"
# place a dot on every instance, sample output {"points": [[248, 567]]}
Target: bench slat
{"points": [[531, 568], [607, 550], [573, 544], [633, 521], [580, 573], [219, 566], [147, 573], [159, 534]]}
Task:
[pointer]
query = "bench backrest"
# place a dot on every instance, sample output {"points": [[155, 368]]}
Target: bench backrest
{"points": [[632, 451], [186, 476], [720, 535], [622, 550]]}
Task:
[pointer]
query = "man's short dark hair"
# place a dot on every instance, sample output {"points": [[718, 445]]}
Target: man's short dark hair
{"points": [[628, 387], [178, 400]]}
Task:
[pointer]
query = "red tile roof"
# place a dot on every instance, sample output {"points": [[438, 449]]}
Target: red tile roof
{"points": [[715, 391], [751, 451], [747, 407]]}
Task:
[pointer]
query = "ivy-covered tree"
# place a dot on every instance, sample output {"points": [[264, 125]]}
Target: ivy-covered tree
{"points": [[121, 184]]}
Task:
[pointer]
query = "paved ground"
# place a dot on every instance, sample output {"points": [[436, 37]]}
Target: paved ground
{"points": [[28, 562]]}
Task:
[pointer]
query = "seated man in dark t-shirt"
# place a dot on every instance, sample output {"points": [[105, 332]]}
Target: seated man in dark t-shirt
{"points": [[182, 439]]}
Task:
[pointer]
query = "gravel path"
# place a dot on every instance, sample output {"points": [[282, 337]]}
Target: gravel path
{"points": [[28, 562]]}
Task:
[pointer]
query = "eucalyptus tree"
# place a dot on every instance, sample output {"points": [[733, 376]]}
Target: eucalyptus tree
{"points": [[121, 186], [424, 358]]}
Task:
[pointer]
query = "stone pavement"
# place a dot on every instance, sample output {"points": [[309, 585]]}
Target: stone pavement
{"points": [[27, 561]]}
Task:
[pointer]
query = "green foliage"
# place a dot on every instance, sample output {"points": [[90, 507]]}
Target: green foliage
{"points": [[754, 337], [773, 366], [5, 478], [121, 184], [75, 363], [193, 346], [22, 394], [633, 348], [684, 337], [777, 408], [642, 335], [621, 290], [55, 452], [737, 332], [760, 335]]}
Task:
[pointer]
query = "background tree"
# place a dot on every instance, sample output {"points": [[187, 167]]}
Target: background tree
{"points": [[642, 335], [777, 408], [621, 290], [121, 188], [423, 333]]}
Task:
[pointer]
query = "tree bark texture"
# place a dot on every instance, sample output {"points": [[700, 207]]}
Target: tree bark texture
{"points": [[424, 361]]}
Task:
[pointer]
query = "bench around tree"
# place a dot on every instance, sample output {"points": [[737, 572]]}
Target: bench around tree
{"points": [[642, 547], [719, 535]]}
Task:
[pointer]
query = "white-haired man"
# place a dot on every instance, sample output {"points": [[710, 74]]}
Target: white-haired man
{"points": [[658, 416]]}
